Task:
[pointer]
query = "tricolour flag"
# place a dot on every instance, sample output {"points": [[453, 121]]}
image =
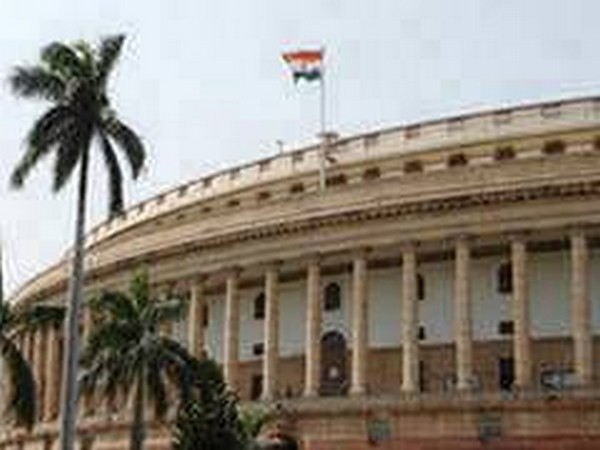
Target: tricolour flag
{"points": [[305, 64]]}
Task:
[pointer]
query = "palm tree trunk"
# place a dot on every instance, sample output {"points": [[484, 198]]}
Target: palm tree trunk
{"points": [[138, 429], [68, 419]]}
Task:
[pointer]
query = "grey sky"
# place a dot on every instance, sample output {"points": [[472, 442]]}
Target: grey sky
{"points": [[204, 84]]}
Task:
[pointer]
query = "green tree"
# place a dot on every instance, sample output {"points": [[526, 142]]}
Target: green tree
{"points": [[126, 352], [253, 420], [73, 79], [21, 401], [208, 419]]}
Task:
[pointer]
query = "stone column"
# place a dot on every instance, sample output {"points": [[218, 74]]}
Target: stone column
{"points": [[88, 399], [196, 319], [52, 369], [360, 325], [21, 344], [38, 366], [271, 333], [581, 311], [165, 292], [520, 313], [231, 338], [313, 329], [410, 344], [28, 347], [463, 334]]}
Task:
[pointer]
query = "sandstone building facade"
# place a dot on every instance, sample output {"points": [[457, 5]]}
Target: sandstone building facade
{"points": [[442, 291]]}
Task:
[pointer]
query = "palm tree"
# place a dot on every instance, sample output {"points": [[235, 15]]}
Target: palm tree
{"points": [[73, 79], [14, 323], [127, 352]]}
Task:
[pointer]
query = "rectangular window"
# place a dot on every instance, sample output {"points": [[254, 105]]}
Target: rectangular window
{"points": [[258, 349], [506, 327], [422, 376], [420, 287], [256, 387], [205, 316], [504, 280], [259, 306], [506, 373]]}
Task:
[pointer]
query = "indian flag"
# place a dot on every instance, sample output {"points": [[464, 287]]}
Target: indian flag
{"points": [[305, 64]]}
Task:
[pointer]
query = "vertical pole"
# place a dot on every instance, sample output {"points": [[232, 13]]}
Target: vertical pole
{"points": [[69, 393], [323, 131]]}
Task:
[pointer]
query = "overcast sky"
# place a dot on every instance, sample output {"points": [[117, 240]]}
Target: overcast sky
{"points": [[204, 83]]}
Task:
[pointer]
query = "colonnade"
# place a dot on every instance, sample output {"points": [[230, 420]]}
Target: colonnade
{"points": [[462, 311], [43, 347]]}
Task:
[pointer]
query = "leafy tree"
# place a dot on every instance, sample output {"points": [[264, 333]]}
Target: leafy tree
{"points": [[253, 420], [127, 352], [21, 401], [73, 79], [208, 419]]}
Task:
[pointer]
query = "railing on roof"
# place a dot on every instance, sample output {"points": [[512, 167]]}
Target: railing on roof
{"points": [[404, 139]]}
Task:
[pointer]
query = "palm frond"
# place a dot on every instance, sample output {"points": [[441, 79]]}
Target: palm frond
{"points": [[115, 177], [70, 152], [22, 395], [111, 337], [139, 289], [129, 142], [51, 126], [33, 317], [47, 131], [114, 304], [37, 82], [62, 59], [169, 310], [6, 317], [108, 54], [157, 391]]}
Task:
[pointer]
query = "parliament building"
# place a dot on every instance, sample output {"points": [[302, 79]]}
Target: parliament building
{"points": [[430, 286]]}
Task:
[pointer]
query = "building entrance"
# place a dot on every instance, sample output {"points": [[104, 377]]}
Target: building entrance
{"points": [[506, 373]]}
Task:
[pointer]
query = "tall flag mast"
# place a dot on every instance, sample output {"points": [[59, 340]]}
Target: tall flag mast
{"points": [[308, 65]]}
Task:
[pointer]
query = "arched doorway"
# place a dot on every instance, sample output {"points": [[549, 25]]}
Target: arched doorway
{"points": [[334, 377]]}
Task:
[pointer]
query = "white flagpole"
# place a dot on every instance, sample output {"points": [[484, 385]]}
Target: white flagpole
{"points": [[323, 132]]}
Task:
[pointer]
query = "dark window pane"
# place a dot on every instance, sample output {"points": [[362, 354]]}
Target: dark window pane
{"points": [[258, 349], [333, 297], [504, 278], [554, 147], [205, 316], [259, 306], [420, 287], [422, 376], [506, 327], [256, 387]]}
